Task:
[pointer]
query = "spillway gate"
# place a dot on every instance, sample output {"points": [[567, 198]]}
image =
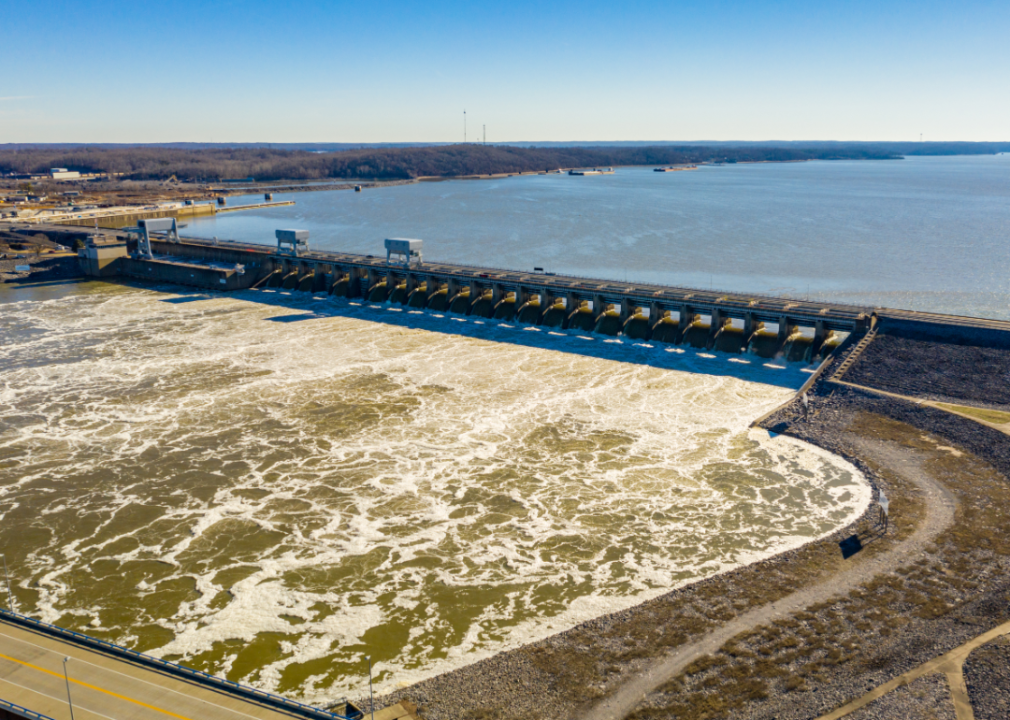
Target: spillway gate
{"points": [[733, 322]]}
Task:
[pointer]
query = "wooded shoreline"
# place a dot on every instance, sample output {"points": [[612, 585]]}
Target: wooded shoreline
{"points": [[404, 163]]}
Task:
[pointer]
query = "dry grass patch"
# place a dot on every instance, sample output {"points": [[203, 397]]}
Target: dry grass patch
{"points": [[992, 416]]}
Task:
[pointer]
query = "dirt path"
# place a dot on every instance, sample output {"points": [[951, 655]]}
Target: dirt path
{"points": [[950, 664], [946, 407], [940, 507]]}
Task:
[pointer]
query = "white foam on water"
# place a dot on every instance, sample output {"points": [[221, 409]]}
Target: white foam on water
{"points": [[285, 485]]}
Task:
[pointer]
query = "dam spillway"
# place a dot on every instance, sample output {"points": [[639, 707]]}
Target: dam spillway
{"points": [[730, 322], [331, 473]]}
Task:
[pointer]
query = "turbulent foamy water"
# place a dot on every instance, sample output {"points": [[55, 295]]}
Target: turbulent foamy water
{"points": [[272, 487]]}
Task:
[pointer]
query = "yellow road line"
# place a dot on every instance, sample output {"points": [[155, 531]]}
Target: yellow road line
{"points": [[62, 700], [132, 678], [95, 687]]}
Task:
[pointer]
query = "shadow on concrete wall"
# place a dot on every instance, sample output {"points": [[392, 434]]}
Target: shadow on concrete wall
{"points": [[303, 307]]}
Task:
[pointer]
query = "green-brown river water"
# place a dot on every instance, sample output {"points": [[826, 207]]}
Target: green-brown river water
{"points": [[271, 487]]}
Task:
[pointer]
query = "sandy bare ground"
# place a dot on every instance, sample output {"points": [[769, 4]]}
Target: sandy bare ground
{"points": [[940, 508]]}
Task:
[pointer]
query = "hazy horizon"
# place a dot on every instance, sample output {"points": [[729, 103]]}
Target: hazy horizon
{"points": [[511, 143]]}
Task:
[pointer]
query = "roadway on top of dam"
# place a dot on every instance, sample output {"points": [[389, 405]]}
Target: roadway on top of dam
{"points": [[834, 316], [107, 685]]}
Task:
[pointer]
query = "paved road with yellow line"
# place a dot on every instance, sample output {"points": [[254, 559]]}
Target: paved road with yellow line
{"points": [[101, 686]]}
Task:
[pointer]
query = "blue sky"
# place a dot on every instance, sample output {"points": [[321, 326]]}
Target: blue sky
{"points": [[365, 71]]}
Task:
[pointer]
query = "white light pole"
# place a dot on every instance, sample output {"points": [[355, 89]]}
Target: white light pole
{"points": [[67, 679], [371, 699], [10, 595]]}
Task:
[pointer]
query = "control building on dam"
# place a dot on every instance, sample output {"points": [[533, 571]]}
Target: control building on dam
{"points": [[736, 323]]}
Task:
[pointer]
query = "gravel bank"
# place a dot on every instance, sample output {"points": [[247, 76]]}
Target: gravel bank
{"points": [[915, 376], [818, 660], [555, 677], [968, 367], [927, 698], [987, 674]]}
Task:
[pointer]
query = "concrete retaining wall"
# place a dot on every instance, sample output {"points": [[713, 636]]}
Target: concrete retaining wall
{"points": [[201, 276], [948, 333], [130, 219]]}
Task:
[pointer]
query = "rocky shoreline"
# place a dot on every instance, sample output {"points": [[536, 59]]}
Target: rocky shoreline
{"points": [[824, 656], [520, 683]]}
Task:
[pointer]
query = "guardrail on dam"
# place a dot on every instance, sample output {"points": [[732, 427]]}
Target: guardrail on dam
{"points": [[729, 322], [157, 674]]}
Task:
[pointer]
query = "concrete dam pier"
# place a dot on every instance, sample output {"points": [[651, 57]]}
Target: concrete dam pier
{"points": [[736, 323]]}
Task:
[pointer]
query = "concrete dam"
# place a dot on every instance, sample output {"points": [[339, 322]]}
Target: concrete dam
{"points": [[765, 326]]}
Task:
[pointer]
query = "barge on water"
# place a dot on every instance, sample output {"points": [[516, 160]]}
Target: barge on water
{"points": [[594, 171]]}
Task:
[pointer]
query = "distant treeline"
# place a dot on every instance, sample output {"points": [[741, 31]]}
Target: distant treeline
{"points": [[262, 163]]}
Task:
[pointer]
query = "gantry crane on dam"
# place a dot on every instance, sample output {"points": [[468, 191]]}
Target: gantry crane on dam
{"points": [[730, 322]]}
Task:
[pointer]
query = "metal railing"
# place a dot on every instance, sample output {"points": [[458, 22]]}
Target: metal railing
{"points": [[543, 278], [22, 711], [244, 691]]}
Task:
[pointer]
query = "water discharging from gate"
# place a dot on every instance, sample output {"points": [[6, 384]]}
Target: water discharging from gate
{"points": [[274, 491]]}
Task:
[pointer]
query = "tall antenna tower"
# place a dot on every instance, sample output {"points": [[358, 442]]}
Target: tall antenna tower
{"points": [[485, 134], [464, 127]]}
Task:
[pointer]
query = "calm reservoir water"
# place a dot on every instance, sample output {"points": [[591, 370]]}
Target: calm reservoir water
{"points": [[922, 233]]}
